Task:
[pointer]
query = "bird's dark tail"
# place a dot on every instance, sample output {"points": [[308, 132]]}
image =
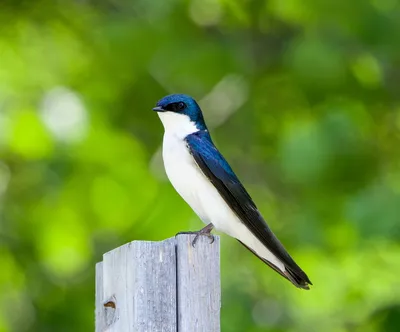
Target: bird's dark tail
{"points": [[297, 278]]}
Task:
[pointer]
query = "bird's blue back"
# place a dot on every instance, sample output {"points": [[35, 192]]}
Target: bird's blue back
{"points": [[202, 143]]}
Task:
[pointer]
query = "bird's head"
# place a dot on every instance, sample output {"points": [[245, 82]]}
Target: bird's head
{"points": [[180, 115]]}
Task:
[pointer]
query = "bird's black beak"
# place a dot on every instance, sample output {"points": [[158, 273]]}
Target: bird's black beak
{"points": [[158, 109]]}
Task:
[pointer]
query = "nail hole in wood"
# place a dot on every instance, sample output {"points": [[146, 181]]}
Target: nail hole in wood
{"points": [[110, 304]]}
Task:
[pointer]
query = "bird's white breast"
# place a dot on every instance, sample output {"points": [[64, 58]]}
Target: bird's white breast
{"points": [[185, 175]]}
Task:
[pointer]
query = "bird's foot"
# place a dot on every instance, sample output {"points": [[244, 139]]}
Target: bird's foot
{"points": [[206, 231]]}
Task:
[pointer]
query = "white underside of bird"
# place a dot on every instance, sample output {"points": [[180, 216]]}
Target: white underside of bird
{"points": [[196, 189]]}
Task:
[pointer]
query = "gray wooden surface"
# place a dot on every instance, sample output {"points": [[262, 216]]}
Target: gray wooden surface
{"points": [[159, 286], [198, 282]]}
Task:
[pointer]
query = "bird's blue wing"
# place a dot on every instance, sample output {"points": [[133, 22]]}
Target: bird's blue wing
{"points": [[218, 171]]}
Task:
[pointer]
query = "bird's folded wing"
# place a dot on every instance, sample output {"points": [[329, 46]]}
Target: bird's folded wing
{"points": [[218, 171]]}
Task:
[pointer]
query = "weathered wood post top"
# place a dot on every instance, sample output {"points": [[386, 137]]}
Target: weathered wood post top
{"points": [[166, 286]]}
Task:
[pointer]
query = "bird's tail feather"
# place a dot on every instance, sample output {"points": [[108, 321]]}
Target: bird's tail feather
{"points": [[297, 279]]}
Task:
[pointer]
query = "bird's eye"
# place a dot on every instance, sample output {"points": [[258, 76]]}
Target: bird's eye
{"points": [[180, 106]]}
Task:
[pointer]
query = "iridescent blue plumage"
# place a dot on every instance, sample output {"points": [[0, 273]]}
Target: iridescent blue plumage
{"points": [[191, 109], [202, 143]]}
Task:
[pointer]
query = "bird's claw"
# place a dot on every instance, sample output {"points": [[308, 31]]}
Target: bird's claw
{"points": [[198, 234], [206, 231]]}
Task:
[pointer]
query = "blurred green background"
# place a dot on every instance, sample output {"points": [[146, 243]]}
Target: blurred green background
{"points": [[302, 97]]}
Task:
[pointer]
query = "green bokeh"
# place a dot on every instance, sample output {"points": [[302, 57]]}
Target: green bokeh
{"points": [[303, 100]]}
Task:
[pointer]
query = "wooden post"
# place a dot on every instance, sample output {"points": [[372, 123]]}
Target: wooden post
{"points": [[166, 286]]}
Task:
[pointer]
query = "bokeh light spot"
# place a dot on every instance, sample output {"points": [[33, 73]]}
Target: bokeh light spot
{"points": [[205, 12], [63, 244], [64, 115], [29, 137], [368, 71]]}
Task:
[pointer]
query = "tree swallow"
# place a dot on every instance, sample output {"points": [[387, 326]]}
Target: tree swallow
{"points": [[204, 179]]}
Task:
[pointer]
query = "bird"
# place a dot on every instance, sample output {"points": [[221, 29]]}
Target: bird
{"points": [[204, 179]]}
